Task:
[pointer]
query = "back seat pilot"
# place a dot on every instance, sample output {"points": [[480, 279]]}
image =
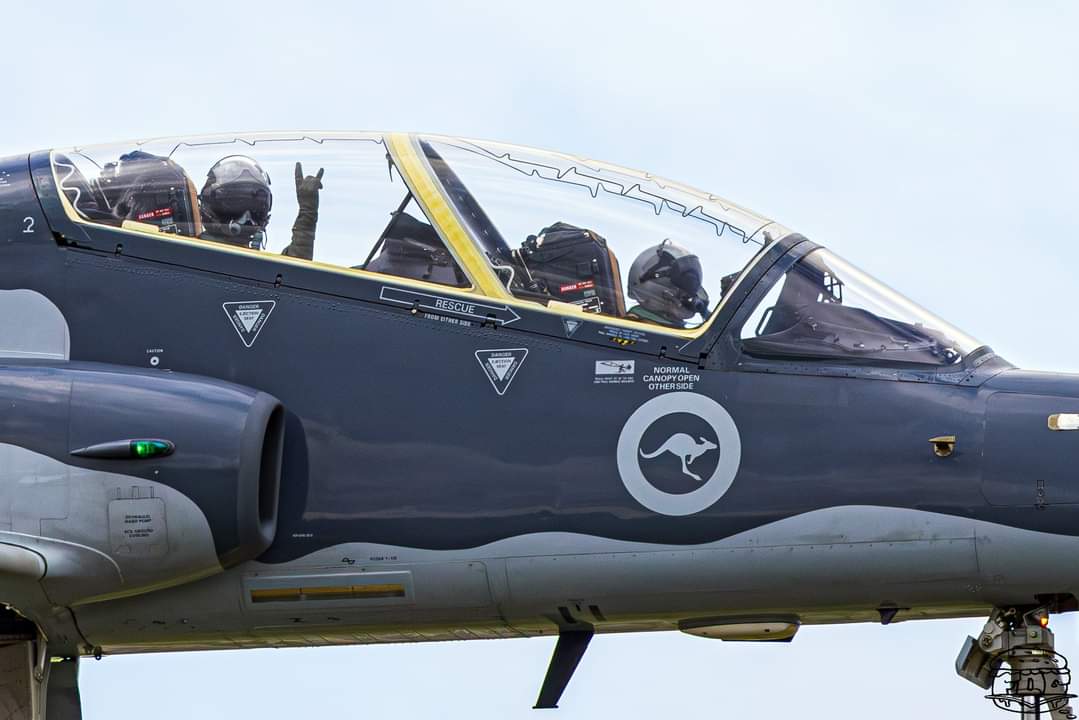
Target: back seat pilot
{"points": [[235, 205], [666, 281]]}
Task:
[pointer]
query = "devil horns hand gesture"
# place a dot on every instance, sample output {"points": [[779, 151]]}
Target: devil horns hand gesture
{"points": [[303, 230], [307, 188]]}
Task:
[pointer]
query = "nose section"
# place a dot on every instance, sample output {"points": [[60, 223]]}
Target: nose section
{"points": [[1031, 456]]}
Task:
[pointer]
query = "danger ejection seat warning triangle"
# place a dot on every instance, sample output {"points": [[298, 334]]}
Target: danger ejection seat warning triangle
{"points": [[501, 366], [248, 318]]}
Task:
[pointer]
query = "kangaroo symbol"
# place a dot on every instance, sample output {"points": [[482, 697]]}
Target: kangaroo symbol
{"points": [[685, 448]]}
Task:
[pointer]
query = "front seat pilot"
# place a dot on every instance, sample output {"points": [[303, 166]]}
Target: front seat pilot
{"points": [[666, 280]]}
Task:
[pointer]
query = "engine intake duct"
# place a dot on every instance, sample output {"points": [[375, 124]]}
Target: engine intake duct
{"points": [[224, 445]]}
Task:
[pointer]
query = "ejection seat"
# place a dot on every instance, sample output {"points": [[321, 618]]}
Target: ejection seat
{"points": [[139, 192], [411, 248]]}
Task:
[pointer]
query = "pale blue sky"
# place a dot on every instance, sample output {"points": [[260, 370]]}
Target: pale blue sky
{"points": [[933, 144]]}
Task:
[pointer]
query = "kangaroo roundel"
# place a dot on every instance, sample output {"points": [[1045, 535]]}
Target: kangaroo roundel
{"points": [[679, 453]]}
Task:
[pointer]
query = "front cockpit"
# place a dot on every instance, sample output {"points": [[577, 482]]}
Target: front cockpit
{"points": [[530, 228], [612, 241]]}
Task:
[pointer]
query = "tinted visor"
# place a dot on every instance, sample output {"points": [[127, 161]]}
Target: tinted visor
{"points": [[231, 201], [684, 272]]}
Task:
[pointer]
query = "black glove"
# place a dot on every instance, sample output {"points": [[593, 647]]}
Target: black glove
{"points": [[307, 188]]}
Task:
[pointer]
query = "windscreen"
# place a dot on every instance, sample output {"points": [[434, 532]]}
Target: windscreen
{"points": [[825, 308], [608, 240]]}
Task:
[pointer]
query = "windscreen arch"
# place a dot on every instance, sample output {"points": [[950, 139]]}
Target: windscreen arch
{"points": [[335, 200], [578, 235], [827, 310]]}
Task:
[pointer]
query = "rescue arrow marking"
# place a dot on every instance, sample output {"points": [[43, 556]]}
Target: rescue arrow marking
{"points": [[501, 314]]}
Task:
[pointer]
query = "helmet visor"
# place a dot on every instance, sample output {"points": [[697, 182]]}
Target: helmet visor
{"points": [[682, 269], [238, 168], [686, 273]]}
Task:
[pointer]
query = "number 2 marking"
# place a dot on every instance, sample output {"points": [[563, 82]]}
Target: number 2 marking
{"points": [[29, 229]]}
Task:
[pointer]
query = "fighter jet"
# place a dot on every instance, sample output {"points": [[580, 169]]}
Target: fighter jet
{"points": [[311, 388]]}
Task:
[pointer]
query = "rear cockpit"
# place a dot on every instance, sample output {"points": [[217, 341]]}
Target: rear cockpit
{"points": [[271, 193]]}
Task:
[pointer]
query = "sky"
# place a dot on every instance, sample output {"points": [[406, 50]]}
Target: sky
{"points": [[932, 144]]}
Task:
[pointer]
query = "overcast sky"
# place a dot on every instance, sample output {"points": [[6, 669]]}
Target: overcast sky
{"points": [[933, 144]]}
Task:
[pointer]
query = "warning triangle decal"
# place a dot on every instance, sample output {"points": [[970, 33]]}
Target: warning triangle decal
{"points": [[570, 326], [248, 318], [501, 366]]}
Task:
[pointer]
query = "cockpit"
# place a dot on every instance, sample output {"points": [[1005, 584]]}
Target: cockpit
{"points": [[537, 228], [567, 230]]}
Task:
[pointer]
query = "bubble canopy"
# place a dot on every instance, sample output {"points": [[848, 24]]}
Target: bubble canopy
{"points": [[520, 224]]}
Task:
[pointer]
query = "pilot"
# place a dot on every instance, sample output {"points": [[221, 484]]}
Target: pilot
{"points": [[235, 206], [666, 280]]}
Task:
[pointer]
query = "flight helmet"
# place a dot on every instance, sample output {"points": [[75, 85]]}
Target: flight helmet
{"points": [[666, 280], [236, 202]]}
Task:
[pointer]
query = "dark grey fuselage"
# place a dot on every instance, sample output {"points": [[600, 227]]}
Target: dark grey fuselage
{"points": [[480, 513]]}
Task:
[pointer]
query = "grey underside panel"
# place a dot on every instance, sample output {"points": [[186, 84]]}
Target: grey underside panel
{"points": [[31, 326], [831, 557], [845, 526], [76, 520], [833, 565]]}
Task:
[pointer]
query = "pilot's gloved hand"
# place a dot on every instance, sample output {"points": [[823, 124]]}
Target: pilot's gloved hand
{"points": [[307, 188], [303, 230]]}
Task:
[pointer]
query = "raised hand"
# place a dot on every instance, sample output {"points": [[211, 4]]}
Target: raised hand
{"points": [[307, 188]]}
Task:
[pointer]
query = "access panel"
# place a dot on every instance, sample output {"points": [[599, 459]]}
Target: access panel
{"points": [[1028, 464]]}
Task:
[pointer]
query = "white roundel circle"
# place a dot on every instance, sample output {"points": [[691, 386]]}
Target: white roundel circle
{"points": [[713, 487]]}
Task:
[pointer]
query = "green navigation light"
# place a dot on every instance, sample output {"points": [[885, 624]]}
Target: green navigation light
{"points": [[150, 448]]}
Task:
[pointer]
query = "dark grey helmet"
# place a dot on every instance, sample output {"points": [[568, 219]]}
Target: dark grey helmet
{"points": [[666, 280], [236, 201]]}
